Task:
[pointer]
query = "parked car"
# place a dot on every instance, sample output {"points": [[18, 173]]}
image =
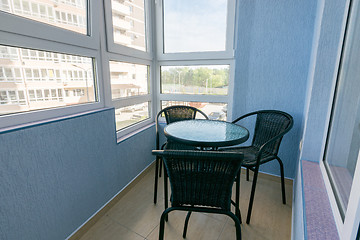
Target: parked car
{"points": [[134, 108], [217, 116]]}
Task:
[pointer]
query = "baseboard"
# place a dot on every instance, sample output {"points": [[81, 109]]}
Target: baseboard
{"points": [[101, 212], [268, 176]]}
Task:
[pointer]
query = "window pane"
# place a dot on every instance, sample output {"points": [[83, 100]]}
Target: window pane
{"points": [[30, 92], [343, 142], [128, 79], [205, 80], [194, 26], [43, 11], [215, 111], [130, 115], [128, 18]]}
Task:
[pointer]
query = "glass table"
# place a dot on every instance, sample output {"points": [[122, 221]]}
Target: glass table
{"points": [[206, 133]]}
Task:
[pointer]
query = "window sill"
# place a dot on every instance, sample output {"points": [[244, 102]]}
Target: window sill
{"points": [[319, 219], [133, 133]]}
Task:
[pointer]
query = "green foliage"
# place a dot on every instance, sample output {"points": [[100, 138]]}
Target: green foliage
{"points": [[198, 77]]}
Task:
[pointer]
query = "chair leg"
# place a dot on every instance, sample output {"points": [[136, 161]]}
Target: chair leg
{"points": [[161, 163], [186, 224], [282, 180], [166, 192], [156, 179], [256, 172], [247, 174], [163, 217], [237, 225], [237, 197]]}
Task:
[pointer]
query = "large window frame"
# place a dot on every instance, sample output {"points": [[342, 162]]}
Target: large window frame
{"points": [[196, 58], [229, 45], [26, 33], [124, 50]]}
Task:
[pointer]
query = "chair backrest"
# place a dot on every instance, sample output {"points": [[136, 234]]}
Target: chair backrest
{"points": [[177, 113], [270, 124], [201, 178]]}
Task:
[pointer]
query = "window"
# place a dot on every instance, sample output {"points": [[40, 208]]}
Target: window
{"points": [[130, 62], [34, 53], [44, 11], [203, 20], [38, 78], [195, 70], [341, 158], [130, 82], [128, 28]]}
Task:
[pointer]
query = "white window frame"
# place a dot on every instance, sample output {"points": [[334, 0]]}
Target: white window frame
{"points": [[124, 50], [31, 28], [347, 227], [229, 45], [196, 58], [128, 101], [227, 99], [26, 33]]}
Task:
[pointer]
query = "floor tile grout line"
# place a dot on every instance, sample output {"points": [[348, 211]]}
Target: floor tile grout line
{"points": [[117, 222]]}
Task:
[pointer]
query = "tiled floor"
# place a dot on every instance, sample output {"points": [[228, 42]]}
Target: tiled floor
{"points": [[135, 217]]}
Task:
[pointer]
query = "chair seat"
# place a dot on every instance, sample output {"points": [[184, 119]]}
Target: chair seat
{"points": [[250, 154]]}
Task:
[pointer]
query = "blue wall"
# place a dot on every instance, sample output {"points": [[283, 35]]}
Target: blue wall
{"points": [[274, 43], [57, 175]]}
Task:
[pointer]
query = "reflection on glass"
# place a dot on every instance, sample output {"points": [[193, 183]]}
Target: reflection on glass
{"points": [[67, 14], [30, 77], [128, 17], [129, 115], [128, 79], [215, 111], [194, 26], [204, 80]]}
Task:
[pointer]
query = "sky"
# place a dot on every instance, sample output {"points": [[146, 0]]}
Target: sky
{"points": [[193, 26]]}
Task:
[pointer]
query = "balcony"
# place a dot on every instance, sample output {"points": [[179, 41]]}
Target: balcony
{"points": [[121, 24], [120, 8]]}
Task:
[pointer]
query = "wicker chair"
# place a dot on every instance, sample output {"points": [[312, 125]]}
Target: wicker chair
{"points": [[172, 114], [270, 127], [201, 181]]}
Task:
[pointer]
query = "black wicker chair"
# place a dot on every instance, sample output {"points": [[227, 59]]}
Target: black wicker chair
{"points": [[201, 181], [270, 127], [171, 114]]}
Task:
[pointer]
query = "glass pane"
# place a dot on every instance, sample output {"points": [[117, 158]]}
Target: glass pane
{"points": [[215, 111], [344, 136], [194, 26], [128, 79], [204, 80], [130, 115], [30, 92], [44, 11], [128, 18]]}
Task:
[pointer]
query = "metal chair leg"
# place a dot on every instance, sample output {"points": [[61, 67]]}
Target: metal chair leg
{"points": [[237, 197], [186, 224], [247, 174], [161, 163], [156, 179], [256, 172], [166, 192], [282, 180], [237, 225]]}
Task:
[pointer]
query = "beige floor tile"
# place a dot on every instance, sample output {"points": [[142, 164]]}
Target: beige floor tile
{"points": [[136, 217], [201, 227], [108, 229]]}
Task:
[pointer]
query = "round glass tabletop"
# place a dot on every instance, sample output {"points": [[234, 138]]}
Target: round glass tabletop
{"points": [[206, 133]]}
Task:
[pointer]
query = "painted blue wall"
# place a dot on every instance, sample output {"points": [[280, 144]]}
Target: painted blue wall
{"points": [[321, 88], [274, 43], [57, 175]]}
